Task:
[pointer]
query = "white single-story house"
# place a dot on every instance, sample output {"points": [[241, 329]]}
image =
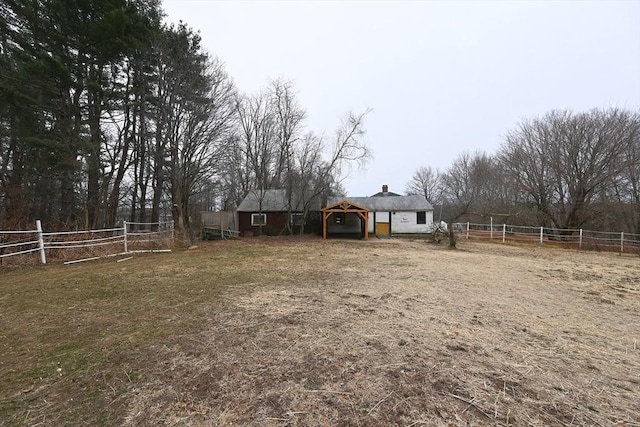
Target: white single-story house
{"points": [[384, 214]]}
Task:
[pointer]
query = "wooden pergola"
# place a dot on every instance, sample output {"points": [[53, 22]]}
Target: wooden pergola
{"points": [[345, 207]]}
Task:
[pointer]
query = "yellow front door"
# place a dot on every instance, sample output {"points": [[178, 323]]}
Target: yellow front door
{"points": [[382, 228]]}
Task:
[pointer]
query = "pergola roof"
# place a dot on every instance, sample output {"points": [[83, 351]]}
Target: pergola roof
{"points": [[345, 207]]}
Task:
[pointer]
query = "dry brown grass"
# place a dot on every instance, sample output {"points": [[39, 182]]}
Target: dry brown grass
{"points": [[277, 331]]}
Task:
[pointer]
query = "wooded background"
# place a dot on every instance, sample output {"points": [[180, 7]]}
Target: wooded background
{"points": [[563, 170], [108, 115]]}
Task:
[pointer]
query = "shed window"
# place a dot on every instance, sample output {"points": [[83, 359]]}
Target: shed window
{"points": [[297, 219], [259, 219], [338, 218], [421, 217]]}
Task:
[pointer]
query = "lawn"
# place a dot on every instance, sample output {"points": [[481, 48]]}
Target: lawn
{"points": [[301, 331]]}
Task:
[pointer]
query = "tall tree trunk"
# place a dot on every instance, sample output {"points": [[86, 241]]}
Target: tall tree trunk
{"points": [[158, 184], [12, 182], [178, 212], [141, 180], [68, 178], [93, 152], [68, 199]]}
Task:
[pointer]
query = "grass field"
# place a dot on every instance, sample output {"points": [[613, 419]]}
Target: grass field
{"points": [[300, 331]]}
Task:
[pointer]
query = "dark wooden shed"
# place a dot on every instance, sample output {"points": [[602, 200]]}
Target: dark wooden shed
{"points": [[274, 211]]}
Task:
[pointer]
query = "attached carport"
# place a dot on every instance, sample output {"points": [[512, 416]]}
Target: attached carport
{"points": [[345, 207]]}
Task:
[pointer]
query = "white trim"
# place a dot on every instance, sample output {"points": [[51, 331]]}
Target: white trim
{"points": [[255, 215]]}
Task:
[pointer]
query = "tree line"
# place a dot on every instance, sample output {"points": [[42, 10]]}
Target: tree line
{"points": [[566, 170], [107, 114]]}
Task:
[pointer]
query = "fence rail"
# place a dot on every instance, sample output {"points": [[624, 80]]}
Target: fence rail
{"points": [[137, 237], [90, 244], [577, 238]]}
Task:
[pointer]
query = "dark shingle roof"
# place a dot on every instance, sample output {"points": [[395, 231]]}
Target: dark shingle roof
{"points": [[386, 194], [277, 201], [273, 201], [387, 204]]}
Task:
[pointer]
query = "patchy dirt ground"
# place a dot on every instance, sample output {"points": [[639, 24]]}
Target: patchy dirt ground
{"points": [[374, 333], [397, 332]]}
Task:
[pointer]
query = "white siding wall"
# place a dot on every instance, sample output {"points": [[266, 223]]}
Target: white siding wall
{"points": [[406, 222], [382, 217], [401, 222]]}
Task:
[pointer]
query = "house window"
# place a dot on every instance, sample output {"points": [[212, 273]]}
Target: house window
{"points": [[421, 217], [259, 219], [338, 218], [297, 219]]}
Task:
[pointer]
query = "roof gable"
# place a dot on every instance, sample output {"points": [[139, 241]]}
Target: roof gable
{"points": [[344, 206]]}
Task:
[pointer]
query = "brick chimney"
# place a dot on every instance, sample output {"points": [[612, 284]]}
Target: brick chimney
{"points": [[385, 188]]}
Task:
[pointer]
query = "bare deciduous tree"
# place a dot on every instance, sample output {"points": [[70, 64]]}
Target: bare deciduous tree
{"points": [[289, 121], [463, 185], [272, 151], [193, 120], [348, 150], [207, 124], [257, 141], [622, 198], [427, 182], [321, 177], [562, 161]]}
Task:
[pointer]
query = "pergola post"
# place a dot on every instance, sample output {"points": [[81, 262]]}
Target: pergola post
{"points": [[365, 217], [366, 226], [325, 216]]}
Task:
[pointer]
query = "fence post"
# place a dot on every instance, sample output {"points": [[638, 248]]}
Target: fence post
{"points": [[491, 233], [622, 241], [580, 243], [504, 232], [541, 234], [467, 230], [172, 232], [124, 233], [43, 258]]}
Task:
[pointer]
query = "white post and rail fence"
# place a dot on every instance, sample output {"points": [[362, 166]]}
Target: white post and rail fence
{"points": [[157, 237], [577, 238], [132, 237]]}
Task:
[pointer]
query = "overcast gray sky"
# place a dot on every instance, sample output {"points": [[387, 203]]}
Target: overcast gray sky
{"points": [[441, 76]]}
